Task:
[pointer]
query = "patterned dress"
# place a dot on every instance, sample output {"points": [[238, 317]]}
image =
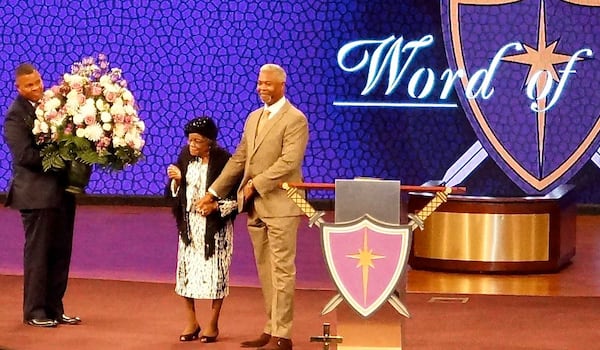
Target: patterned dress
{"points": [[198, 277]]}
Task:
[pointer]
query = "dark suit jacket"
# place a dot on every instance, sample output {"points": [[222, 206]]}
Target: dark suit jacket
{"points": [[30, 187]]}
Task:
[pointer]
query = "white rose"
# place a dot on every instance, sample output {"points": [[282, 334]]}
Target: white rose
{"points": [[119, 101], [118, 141], [73, 97], [138, 143], [68, 78], [106, 117], [72, 110], [105, 80], [53, 103], [127, 95], [129, 109], [133, 138], [88, 109], [107, 126], [117, 108], [36, 127], [141, 126], [119, 130], [100, 105], [78, 119], [80, 132], [74, 79]]}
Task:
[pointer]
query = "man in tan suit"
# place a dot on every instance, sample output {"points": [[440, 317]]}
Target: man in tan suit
{"points": [[270, 152]]}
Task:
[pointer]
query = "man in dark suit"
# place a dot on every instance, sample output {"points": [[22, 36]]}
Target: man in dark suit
{"points": [[270, 152], [47, 211]]}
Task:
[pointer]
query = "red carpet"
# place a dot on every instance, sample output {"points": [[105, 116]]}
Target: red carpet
{"points": [[138, 315]]}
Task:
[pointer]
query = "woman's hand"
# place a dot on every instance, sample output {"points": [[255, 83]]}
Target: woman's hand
{"points": [[174, 173], [206, 206]]}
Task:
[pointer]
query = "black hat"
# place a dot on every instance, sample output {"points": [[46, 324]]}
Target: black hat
{"points": [[204, 126]]}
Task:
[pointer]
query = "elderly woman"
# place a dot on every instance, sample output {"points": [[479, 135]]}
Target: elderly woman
{"points": [[205, 232]]}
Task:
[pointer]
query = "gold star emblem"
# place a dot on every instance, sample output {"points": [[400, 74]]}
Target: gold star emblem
{"points": [[365, 259]]}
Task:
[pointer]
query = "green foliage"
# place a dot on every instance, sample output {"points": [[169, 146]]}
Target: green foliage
{"points": [[52, 158]]}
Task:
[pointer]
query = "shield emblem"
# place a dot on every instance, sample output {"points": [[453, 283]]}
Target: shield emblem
{"points": [[366, 258], [541, 119]]}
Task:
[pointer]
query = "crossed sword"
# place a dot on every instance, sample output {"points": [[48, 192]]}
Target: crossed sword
{"points": [[416, 220], [470, 160]]}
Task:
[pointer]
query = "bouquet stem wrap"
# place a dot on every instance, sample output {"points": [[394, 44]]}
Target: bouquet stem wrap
{"points": [[79, 176]]}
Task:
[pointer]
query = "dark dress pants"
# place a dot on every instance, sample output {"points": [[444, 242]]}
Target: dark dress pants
{"points": [[47, 257]]}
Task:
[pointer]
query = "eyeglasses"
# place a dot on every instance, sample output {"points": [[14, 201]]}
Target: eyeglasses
{"points": [[198, 142]]}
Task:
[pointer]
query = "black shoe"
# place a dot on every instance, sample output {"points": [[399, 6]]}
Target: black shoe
{"points": [[209, 338], [64, 319], [190, 336], [42, 322]]}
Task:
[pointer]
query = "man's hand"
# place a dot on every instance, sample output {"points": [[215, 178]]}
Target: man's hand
{"points": [[206, 204], [249, 190]]}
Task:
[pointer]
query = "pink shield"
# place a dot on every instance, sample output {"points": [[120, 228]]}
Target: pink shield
{"points": [[366, 259]]}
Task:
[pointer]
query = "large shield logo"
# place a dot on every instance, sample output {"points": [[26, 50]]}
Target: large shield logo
{"points": [[366, 258], [530, 83]]}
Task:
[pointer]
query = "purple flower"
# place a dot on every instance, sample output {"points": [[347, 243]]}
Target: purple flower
{"points": [[87, 61]]}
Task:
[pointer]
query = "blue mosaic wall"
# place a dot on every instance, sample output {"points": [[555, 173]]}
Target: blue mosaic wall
{"points": [[187, 58]]}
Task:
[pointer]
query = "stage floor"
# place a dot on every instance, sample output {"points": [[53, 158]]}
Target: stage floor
{"points": [[123, 273], [136, 243], [142, 315]]}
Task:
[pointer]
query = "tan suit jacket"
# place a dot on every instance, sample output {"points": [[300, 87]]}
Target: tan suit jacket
{"points": [[269, 159]]}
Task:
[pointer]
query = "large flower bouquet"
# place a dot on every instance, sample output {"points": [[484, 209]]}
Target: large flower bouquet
{"points": [[90, 117]]}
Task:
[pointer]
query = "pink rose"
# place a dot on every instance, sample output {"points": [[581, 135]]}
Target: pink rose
{"points": [[110, 96], [90, 119], [96, 90]]}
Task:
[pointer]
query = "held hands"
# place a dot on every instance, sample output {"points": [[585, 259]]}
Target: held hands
{"points": [[206, 205]]}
